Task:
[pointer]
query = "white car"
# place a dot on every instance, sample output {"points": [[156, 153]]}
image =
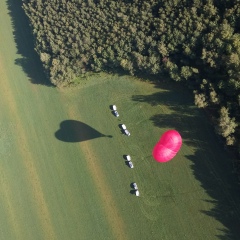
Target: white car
{"points": [[130, 164], [116, 113], [137, 193], [128, 158], [127, 132], [135, 186], [114, 107], [123, 126]]}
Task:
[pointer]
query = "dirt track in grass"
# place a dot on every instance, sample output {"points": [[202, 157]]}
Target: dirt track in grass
{"points": [[31, 171], [111, 211]]}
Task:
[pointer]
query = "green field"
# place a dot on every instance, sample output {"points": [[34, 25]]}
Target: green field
{"points": [[63, 177]]}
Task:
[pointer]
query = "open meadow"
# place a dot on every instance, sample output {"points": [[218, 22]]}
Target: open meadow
{"points": [[62, 171]]}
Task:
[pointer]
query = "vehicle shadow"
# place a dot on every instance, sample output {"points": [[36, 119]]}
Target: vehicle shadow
{"points": [[29, 60], [211, 165], [127, 164], [133, 192], [76, 131]]}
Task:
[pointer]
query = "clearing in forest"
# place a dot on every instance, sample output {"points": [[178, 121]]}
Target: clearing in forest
{"points": [[62, 171]]}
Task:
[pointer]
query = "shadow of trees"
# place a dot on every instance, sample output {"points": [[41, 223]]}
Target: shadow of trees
{"points": [[183, 113], [211, 165], [218, 181], [29, 61], [76, 131]]}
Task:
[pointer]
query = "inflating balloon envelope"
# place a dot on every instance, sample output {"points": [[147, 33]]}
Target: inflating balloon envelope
{"points": [[168, 146]]}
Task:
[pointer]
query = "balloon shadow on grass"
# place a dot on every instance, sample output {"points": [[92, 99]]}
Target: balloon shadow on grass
{"points": [[76, 131], [210, 164]]}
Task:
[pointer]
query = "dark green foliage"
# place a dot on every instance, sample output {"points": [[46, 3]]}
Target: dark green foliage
{"points": [[226, 126], [189, 40]]}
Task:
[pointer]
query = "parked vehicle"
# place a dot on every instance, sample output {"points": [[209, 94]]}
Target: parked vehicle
{"points": [[130, 164], [116, 113], [127, 132], [135, 186]]}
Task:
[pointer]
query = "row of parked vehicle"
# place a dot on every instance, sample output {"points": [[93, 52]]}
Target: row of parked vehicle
{"points": [[127, 157], [116, 114], [134, 185]]}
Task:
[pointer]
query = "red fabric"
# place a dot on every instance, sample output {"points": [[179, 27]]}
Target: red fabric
{"points": [[168, 146]]}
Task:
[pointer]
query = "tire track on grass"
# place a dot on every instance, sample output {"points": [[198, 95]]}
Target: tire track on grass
{"points": [[27, 160], [113, 216]]}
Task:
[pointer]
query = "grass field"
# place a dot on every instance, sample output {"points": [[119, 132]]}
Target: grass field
{"points": [[63, 177]]}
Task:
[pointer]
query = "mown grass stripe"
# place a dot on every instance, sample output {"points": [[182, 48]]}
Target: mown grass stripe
{"points": [[113, 216], [27, 159]]}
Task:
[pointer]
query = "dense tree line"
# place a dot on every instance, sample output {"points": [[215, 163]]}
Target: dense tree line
{"points": [[193, 41]]}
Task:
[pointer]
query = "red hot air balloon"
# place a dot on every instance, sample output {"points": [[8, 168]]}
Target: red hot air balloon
{"points": [[168, 146]]}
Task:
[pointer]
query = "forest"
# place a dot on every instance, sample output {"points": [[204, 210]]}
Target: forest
{"points": [[196, 42]]}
